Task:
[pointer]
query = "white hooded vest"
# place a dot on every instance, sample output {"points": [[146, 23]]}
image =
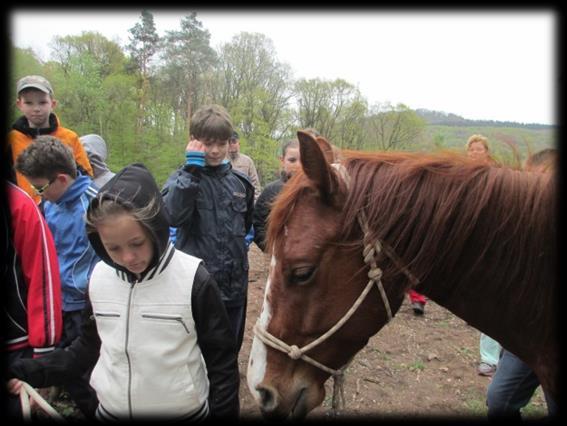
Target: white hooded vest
{"points": [[150, 364]]}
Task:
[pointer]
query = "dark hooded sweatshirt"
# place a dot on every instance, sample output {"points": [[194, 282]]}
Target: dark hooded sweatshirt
{"points": [[135, 185]]}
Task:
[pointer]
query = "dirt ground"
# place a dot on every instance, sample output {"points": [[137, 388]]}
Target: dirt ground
{"points": [[415, 366]]}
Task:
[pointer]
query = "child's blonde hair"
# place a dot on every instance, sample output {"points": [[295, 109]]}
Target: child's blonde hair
{"points": [[478, 138]]}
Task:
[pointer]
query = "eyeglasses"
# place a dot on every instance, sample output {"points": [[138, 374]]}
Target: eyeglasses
{"points": [[41, 190], [233, 141]]}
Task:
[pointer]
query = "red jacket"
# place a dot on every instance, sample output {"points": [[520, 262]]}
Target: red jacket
{"points": [[32, 289]]}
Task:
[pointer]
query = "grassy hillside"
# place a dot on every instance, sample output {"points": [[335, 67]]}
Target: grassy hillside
{"points": [[526, 140]]}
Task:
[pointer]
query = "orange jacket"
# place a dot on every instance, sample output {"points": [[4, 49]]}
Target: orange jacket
{"points": [[18, 141]]}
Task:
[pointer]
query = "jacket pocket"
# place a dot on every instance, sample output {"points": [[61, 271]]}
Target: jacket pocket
{"points": [[171, 319], [109, 324], [204, 223], [101, 314], [238, 207]]}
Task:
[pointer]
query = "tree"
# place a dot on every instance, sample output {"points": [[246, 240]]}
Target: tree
{"points": [[390, 127], [106, 53], [188, 59], [334, 108], [253, 85], [144, 42], [349, 130]]}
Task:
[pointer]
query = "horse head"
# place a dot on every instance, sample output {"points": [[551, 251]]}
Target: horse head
{"points": [[316, 275]]}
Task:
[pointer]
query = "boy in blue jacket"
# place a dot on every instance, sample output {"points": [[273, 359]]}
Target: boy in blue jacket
{"points": [[211, 205]]}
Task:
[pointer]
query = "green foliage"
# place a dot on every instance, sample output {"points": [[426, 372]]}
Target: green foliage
{"points": [[265, 153], [78, 84], [107, 54], [393, 128], [253, 85]]}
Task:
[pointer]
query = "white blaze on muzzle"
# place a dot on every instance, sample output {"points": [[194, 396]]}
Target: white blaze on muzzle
{"points": [[257, 361]]}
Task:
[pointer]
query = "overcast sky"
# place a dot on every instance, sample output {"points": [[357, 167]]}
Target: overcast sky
{"points": [[494, 65]]}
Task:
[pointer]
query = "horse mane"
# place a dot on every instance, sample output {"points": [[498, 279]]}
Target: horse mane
{"points": [[434, 210]]}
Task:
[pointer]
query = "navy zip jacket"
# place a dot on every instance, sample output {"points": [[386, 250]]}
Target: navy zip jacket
{"points": [[212, 208]]}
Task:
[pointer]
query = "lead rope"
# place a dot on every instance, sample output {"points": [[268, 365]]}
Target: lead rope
{"points": [[27, 392]]}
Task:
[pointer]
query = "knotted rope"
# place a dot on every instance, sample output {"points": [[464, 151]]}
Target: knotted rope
{"points": [[27, 392]]}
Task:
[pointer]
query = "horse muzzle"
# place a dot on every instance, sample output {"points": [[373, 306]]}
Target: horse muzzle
{"points": [[275, 406]]}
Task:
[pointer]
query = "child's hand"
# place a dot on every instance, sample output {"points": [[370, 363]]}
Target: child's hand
{"points": [[195, 145], [14, 386], [195, 153]]}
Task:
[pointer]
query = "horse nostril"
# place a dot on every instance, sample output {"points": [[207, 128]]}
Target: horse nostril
{"points": [[268, 398]]}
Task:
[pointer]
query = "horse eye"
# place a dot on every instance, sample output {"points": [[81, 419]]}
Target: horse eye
{"points": [[301, 275]]}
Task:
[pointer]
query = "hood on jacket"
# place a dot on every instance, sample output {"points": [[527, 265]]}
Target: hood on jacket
{"points": [[75, 191], [95, 145], [96, 150], [134, 187], [22, 125]]}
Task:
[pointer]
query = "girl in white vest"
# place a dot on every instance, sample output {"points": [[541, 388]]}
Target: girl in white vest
{"points": [[158, 334]]}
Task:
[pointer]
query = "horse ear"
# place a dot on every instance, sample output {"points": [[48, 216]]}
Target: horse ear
{"points": [[315, 154], [327, 149]]}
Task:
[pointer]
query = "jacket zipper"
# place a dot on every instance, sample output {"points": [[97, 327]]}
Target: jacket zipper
{"points": [[126, 351]]}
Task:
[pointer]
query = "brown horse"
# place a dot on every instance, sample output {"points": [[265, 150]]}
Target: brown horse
{"points": [[477, 239]]}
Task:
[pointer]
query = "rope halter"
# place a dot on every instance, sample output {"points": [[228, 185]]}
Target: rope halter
{"points": [[370, 253]]}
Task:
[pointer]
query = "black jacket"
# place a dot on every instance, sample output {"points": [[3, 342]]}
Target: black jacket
{"points": [[262, 210], [212, 207], [215, 337]]}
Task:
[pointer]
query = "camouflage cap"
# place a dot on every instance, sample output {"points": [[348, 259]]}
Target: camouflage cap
{"points": [[35, 81]]}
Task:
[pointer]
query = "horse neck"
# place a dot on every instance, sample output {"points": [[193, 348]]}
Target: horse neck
{"points": [[475, 243]]}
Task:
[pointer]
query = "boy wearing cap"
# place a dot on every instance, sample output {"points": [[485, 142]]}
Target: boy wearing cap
{"points": [[35, 101]]}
